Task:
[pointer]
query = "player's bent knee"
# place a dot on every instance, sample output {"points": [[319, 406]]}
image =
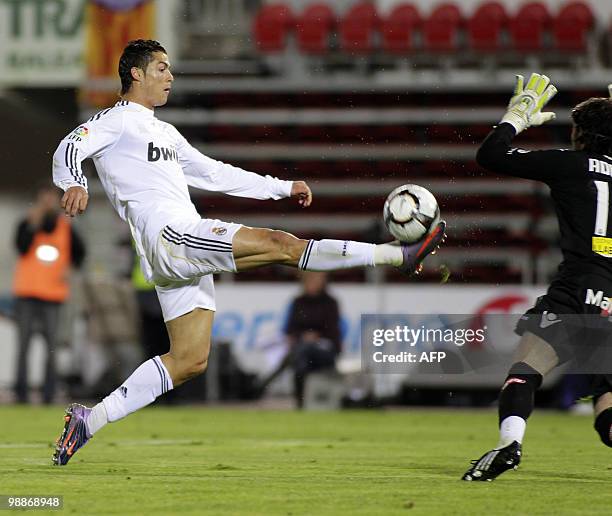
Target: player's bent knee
{"points": [[190, 369], [188, 363], [196, 369], [603, 426]]}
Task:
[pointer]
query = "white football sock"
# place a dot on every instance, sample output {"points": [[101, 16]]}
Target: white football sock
{"points": [[331, 255], [150, 380], [511, 429], [96, 419], [388, 254]]}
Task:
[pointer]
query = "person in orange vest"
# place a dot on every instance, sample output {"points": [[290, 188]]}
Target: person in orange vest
{"points": [[47, 246]]}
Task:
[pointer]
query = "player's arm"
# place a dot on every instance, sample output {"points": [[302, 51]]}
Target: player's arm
{"points": [[524, 110], [88, 140], [497, 155], [215, 176]]}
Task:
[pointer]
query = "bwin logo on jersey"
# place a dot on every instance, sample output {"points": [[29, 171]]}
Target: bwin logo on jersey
{"points": [[155, 153]]}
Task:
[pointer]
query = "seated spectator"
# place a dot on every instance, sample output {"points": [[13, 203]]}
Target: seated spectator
{"points": [[313, 333]]}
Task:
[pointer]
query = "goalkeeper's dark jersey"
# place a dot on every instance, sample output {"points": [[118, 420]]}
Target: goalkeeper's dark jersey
{"points": [[580, 188]]}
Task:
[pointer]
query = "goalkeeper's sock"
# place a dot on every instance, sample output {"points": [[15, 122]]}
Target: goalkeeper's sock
{"points": [[330, 255], [150, 380], [516, 402], [511, 429]]}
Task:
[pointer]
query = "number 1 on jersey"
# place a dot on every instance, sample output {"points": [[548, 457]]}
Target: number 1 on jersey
{"points": [[603, 208]]}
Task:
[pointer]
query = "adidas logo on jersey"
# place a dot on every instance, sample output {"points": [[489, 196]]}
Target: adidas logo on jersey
{"points": [[155, 153]]}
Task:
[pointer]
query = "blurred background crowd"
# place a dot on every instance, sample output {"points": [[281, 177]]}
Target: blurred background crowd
{"points": [[355, 97]]}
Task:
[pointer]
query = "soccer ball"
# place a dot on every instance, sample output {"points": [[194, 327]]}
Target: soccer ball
{"points": [[410, 212]]}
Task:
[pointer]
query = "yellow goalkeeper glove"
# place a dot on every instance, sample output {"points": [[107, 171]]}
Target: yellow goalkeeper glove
{"points": [[525, 107]]}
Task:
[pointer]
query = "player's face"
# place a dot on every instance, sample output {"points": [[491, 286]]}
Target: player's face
{"points": [[158, 80]]}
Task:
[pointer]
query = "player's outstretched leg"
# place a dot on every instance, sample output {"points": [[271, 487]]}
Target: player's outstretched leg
{"points": [[74, 435], [256, 247]]}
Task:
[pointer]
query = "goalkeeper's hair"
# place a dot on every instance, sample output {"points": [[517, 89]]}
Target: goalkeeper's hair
{"points": [[593, 118], [137, 53]]}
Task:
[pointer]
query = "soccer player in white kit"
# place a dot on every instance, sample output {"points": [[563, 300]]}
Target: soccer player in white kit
{"points": [[145, 166]]}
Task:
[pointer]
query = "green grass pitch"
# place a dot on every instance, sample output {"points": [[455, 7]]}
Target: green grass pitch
{"points": [[197, 460]]}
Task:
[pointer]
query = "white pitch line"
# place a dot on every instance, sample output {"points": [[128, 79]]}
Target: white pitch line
{"points": [[23, 445], [177, 442], [154, 442], [143, 442]]}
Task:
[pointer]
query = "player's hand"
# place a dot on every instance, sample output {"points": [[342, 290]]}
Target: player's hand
{"points": [[74, 201], [301, 190], [525, 107]]}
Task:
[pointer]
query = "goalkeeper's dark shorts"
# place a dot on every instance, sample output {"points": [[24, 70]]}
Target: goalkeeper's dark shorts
{"points": [[576, 320]]}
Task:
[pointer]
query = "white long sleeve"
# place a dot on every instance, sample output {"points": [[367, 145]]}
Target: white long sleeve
{"points": [[215, 176], [88, 140], [146, 166]]}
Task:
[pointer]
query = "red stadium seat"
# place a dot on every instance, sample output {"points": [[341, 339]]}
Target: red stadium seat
{"points": [[398, 29], [441, 29], [271, 27], [571, 27], [357, 28], [485, 27], [528, 26], [314, 28]]}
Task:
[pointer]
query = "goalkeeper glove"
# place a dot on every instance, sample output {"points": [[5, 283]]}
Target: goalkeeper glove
{"points": [[525, 107]]}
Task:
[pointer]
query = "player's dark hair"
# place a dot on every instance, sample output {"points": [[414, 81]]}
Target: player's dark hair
{"points": [[138, 53], [593, 118]]}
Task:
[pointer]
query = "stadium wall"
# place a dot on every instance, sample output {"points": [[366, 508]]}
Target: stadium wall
{"points": [[253, 323], [250, 320]]}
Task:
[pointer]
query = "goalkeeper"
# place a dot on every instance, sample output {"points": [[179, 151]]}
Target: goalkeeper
{"points": [[579, 180]]}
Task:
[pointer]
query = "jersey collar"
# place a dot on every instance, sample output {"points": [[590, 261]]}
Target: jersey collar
{"points": [[135, 106]]}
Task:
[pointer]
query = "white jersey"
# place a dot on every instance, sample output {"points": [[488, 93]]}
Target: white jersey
{"points": [[145, 166]]}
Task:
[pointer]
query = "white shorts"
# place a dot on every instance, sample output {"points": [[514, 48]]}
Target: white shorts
{"points": [[186, 256]]}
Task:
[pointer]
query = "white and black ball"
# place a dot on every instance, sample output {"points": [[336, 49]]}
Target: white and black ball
{"points": [[410, 212]]}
